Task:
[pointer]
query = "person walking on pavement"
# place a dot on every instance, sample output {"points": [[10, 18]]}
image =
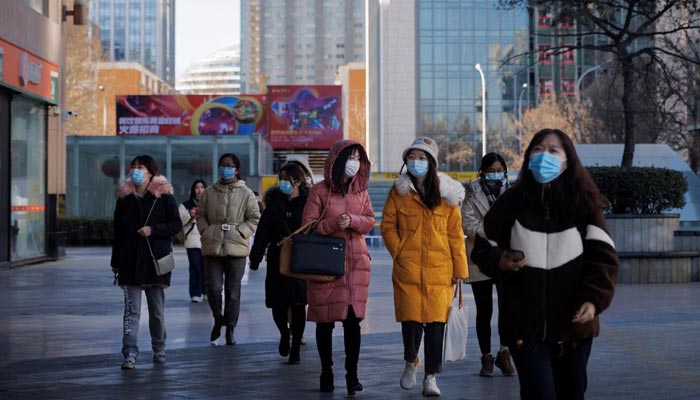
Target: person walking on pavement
{"points": [[145, 214], [480, 195], [421, 227], [227, 216], [341, 205], [546, 241], [282, 216], [193, 242]]}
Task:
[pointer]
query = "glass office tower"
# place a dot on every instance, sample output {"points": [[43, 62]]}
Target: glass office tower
{"points": [[141, 31], [453, 36]]}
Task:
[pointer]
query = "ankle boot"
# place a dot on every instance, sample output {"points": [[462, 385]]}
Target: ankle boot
{"points": [[216, 330], [327, 380], [229, 335], [294, 357], [353, 384]]}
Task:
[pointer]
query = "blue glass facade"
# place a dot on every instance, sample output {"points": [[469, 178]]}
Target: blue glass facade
{"points": [[453, 36], [141, 31]]}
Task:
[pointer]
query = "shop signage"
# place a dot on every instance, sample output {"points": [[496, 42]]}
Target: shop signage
{"points": [[27, 73]]}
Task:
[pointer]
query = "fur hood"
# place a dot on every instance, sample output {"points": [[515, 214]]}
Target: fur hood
{"points": [[450, 190], [159, 185]]}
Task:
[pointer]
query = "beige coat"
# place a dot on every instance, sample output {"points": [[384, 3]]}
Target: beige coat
{"points": [[235, 205], [475, 206]]}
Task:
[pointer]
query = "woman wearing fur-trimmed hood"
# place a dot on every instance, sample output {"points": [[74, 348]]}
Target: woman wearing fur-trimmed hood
{"points": [[422, 229]]}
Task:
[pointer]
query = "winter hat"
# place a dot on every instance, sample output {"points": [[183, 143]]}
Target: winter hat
{"points": [[428, 145]]}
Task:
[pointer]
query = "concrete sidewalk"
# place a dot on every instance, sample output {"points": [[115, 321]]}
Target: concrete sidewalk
{"points": [[60, 338]]}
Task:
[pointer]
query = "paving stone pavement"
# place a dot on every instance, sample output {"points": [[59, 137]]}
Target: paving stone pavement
{"points": [[60, 337]]}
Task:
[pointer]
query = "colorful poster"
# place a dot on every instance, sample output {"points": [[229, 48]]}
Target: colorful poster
{"points": [[190, 114], [304, 117]]}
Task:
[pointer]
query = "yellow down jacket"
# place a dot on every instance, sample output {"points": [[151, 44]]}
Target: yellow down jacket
{"points": [[427, 248]]}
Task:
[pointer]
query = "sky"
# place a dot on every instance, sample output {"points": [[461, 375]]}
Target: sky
{"points": [[202, 27]]}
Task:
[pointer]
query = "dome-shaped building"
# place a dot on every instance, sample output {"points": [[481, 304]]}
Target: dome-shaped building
{"points": [[218, 73]]}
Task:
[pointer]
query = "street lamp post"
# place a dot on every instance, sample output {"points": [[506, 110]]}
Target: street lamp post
{"points": [[483, 109], [577, 95], [104, 110], [520, 118]]}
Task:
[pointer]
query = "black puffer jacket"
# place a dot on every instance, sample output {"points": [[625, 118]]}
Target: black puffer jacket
{"points": [[280, 218], [130, 254]]}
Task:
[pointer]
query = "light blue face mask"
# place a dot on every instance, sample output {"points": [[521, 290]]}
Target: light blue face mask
{"points": [[417, 168], [286, 187], [137, 176], [494, 176], [226, 173], [545, 167]]}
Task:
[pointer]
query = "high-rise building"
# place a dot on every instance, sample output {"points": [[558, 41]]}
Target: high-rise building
{"points": [[218, 73], [299, 42], [422, 76], [141, 31]]}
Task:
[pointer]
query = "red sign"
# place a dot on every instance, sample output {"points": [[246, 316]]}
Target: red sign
{"points": [[304, 116], [190, 114], [28, 73]]}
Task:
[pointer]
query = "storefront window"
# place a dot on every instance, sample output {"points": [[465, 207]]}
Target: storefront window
{"points": [[27, 180]]}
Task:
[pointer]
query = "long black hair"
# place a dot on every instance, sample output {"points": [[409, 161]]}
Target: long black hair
{"points": [[338, 171], [193, 196], [430, 195], [575, 183]]}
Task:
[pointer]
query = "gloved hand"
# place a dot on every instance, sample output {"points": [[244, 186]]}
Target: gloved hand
{"points": [[254, 266]]}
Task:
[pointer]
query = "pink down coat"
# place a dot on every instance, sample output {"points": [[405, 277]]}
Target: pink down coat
{"points": [[329, 302]]}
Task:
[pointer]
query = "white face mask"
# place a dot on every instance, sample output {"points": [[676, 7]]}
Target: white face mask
{"points": [[351, 168]]}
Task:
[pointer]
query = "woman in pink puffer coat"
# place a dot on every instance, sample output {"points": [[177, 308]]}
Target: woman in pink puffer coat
{"points": [[349, 215]]}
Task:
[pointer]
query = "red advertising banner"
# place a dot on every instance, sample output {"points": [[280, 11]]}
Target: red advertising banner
{"points": [[190, 114], [304, 116]]}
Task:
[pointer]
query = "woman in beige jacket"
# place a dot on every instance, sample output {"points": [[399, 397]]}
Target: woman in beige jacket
{"points": [[227, 216]]}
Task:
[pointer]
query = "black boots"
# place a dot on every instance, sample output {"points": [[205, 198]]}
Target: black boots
{"points": [[284, 343], [216, 330], [229, 335], [352, 383], [327, 380]]}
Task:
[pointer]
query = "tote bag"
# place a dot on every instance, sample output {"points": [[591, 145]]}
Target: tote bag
{"points": [[456, 329]]}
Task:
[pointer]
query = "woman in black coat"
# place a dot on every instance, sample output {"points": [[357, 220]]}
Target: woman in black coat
{"points": [[284, 206], [146, 213]]}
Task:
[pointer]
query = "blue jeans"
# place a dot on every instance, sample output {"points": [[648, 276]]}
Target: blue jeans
{"points": [[194, 255], [226, 273], [155, 297], [552, 371]]}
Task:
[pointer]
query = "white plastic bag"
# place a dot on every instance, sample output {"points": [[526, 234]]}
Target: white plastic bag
{"points": [[456, 329]]}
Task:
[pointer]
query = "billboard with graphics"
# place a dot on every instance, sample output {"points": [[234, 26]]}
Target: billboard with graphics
{"points": [[304, 116], [190, 114]]}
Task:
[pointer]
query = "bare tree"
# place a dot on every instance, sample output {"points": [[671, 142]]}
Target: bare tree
{"points": [[627, 31]]}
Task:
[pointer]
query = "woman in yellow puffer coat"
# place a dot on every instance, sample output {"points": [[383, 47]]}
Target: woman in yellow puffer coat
{"points": [[422, 229]]}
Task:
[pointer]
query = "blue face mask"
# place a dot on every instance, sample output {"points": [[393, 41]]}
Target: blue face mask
{"points": [[137, 176], [417, 168], [286, 187], [494, 176], [545, 167], [226, 173]]}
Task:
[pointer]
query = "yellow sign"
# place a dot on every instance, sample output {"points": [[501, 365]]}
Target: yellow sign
{"points": [[266, 182], [462, 176]]}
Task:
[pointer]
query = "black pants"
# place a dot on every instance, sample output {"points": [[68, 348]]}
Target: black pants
{"points": [[412, 333], [296, 325], [351, 336], [483, 297], [194, 255], [552, 371]]}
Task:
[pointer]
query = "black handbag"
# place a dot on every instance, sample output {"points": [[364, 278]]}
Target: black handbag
{"points": [[317, 254]]}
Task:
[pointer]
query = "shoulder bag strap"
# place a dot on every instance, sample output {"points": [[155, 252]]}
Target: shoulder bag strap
{"points": [[148, 242]]}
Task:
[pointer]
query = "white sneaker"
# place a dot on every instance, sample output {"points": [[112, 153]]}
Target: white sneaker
{"points": [[430, 387], [408, 378], [196, 299]]}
